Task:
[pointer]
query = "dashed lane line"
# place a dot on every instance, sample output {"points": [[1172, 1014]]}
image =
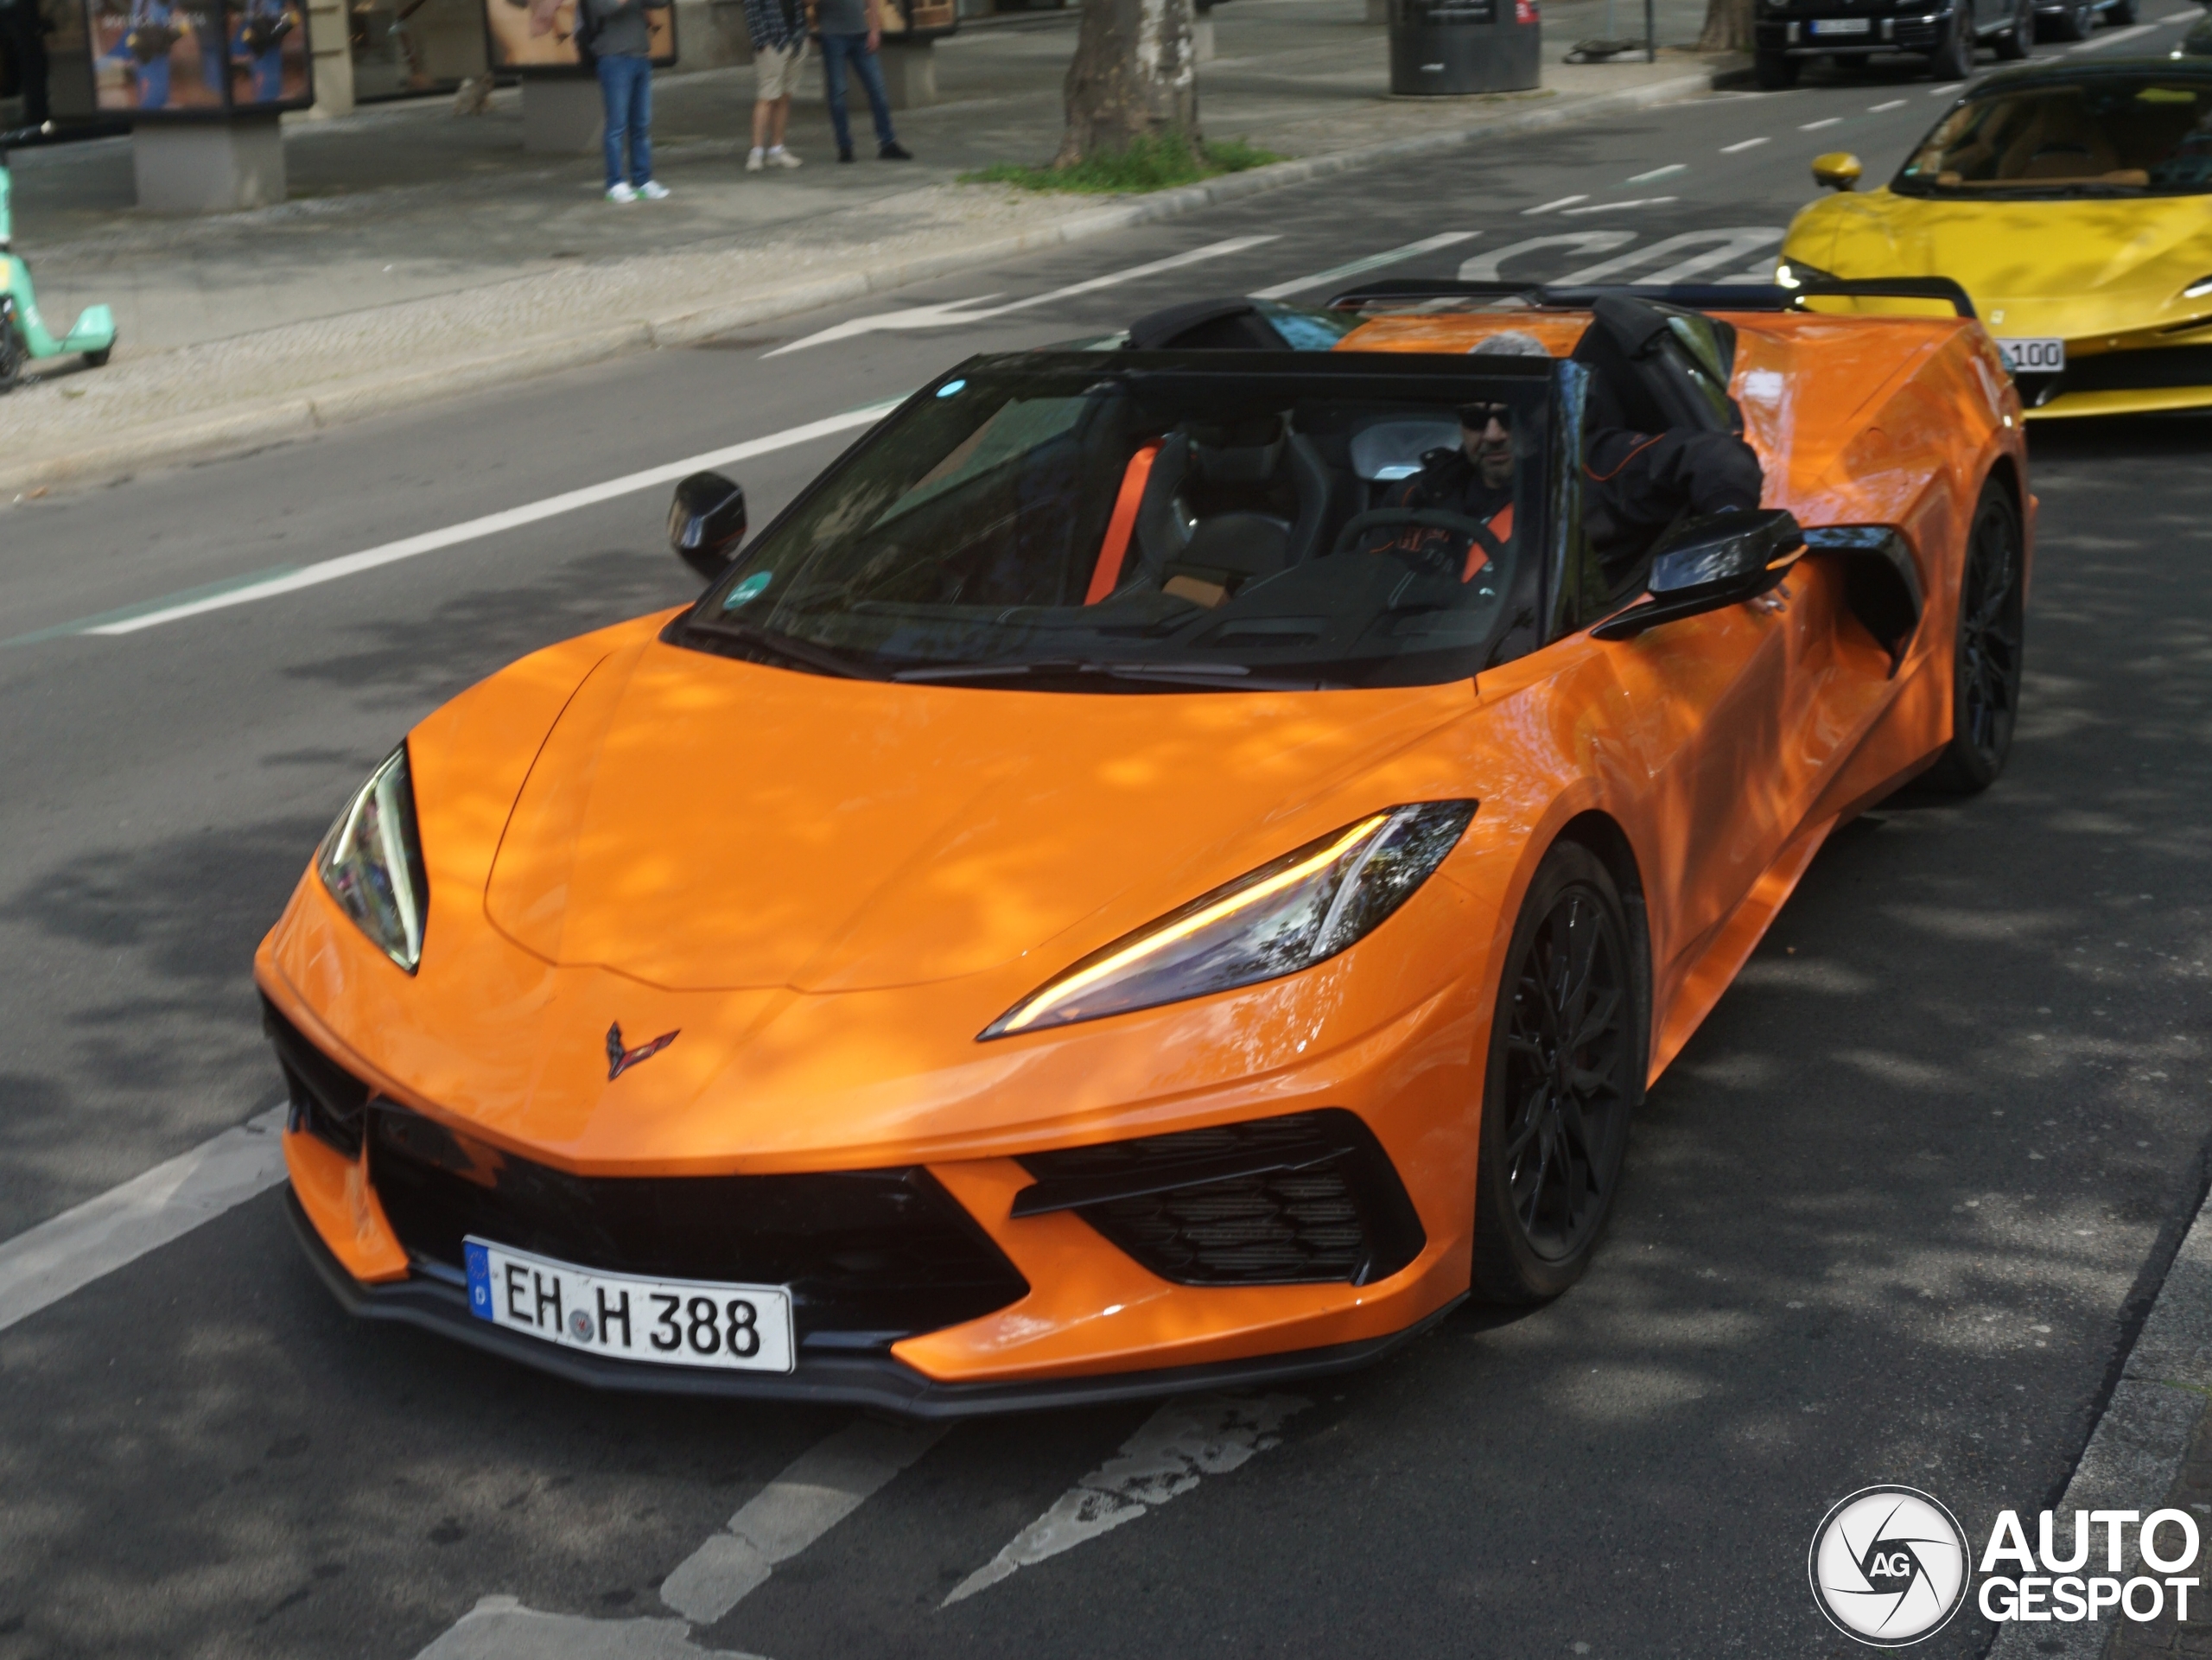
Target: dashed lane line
{"points": [[1738, 149], [1608, 206], [1815, 126], [2115, 38], [1894, 104], [1667, 171], [66, 1253], [1179, 1444], [196, 602], [1546, 207], [1388, 256], [2188, 15], [951, 313]]}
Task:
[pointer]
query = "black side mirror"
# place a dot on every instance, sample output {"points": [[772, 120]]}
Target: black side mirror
{"points": [[706, 522], [1709, 564]]}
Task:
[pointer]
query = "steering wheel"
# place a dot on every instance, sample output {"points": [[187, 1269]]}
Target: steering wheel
{"points": [[1434, 519]]}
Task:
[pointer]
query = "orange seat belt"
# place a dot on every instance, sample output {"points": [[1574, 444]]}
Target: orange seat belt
{"points": [[1501, 526], [1114, 553]]}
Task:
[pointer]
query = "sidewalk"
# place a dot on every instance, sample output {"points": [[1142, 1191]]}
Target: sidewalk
{"points": [[422, 253]]}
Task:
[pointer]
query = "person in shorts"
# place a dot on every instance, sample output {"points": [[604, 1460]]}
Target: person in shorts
{"points": [[779, 31]]}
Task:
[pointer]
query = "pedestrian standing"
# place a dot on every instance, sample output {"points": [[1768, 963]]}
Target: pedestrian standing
{"points": [[622, 47], [851, 30], [779, 31]]}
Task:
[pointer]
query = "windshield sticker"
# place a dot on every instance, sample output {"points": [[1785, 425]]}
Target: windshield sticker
{"points": [[748, 590]]}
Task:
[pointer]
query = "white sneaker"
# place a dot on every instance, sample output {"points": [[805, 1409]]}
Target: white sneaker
{"points": [[755, 162], [620, 193], [781, 157], [654, 190]]}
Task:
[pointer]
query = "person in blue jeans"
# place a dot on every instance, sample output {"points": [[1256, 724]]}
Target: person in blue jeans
{"points": [[622, 47], [850, 31]]}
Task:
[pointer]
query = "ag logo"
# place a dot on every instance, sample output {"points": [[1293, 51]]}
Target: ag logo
{"points": [[1888, 1566]]}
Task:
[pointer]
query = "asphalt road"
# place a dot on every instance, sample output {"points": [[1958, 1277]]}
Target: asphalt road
{"points": [[1889, 1219]]}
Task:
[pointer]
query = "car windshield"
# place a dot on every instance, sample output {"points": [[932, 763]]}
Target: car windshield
{"points": [[1145, 521], [2106, 133]]}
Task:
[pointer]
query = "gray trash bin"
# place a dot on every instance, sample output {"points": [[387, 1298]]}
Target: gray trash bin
{"points": [[1446, 48]]}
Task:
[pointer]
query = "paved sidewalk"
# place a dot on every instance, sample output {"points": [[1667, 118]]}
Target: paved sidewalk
{"points": [[2152, 1448], [423, 252]]}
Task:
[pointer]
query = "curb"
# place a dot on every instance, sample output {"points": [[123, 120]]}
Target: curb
{"points": [[2142, 1438], [207, 435]]}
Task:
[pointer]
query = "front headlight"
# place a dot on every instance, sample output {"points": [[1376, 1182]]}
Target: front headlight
{"points": [[371, 862], [1796, 273], [1287, 915]]}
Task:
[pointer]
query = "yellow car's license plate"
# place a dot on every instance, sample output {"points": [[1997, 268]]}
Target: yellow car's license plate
{"points": [[2036, 357], [668, 1322]]}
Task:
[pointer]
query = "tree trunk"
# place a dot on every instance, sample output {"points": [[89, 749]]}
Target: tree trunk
{"points": [[1727, 27], [1133, 74]]}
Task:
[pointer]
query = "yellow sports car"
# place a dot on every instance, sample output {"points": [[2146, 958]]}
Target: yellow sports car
{"points": [[2070, 201]]}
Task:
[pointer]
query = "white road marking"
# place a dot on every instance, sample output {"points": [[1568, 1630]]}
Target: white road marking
{"points": [[2114, 38], [2188, 15], [1608, 206], [1815, 126], [1738, 149], [352, 564], [823, 1485], [951, 312], [501, 1628], [1388, 256], [1661, 172], [1485, 268], [1894, 104], [66, 1253], [1563, 201], [1184, 1442], [1722, 247], [1946, 89]]}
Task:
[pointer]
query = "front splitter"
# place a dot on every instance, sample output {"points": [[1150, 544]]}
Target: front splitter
{"points": [[879, 1381]]}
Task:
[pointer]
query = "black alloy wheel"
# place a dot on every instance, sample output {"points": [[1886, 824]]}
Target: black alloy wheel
{"points": [[2019, 35], [2073, 22], [1986, 669], [1954, 58], [1567, 1054]]}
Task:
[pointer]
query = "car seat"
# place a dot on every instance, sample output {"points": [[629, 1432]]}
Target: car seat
{"points": [[1216, 497]]}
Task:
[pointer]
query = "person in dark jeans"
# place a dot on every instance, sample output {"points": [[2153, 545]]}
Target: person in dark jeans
{"points": [[851, 30], [622, 46]]}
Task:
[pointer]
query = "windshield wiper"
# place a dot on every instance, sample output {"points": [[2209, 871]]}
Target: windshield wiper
{"points": [[1221, 675], [802, 652]]}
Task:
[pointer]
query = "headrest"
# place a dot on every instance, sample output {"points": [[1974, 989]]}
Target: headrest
{"points": [[1252, 544]]}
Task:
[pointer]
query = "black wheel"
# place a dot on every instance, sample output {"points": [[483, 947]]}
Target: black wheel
{"points": [[1986, 670], [1774, 72], [2019, 35], [1567, 1052], [99, 359], [2120, 13], [13, 354], [2072, 23], [1954, 59]]}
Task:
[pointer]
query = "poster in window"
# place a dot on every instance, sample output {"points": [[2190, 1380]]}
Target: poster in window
{"points": [[162, 58], [541, 35]]}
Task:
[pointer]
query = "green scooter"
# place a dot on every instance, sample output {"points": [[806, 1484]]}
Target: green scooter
{"points": [[23, 332]]}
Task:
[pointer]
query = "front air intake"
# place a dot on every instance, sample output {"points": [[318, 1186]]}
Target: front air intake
{"points": [[1304, 1198]]}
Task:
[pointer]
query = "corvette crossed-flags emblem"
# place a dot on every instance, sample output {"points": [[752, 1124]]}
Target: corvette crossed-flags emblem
{"points": [[620, 1060]]}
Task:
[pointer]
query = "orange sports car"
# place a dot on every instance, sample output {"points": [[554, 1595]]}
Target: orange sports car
{"points": [[1168, 864]]}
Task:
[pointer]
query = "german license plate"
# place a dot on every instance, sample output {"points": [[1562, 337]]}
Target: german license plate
{"points": [[668, 1322], [1843, 26], [2042, 357]]}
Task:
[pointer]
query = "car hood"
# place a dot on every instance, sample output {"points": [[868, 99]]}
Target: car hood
{"points": [[2072, 268], [701, 823]]}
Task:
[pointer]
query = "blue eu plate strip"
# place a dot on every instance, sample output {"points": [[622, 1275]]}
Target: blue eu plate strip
{"points": [[479, 1280]]}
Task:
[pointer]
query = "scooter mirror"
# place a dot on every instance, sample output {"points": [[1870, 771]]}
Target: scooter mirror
{"points": [[706, 522]]}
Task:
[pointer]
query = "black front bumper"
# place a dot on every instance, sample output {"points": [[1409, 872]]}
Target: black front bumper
{"points": [[875, 1380], [1793, 35]]}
